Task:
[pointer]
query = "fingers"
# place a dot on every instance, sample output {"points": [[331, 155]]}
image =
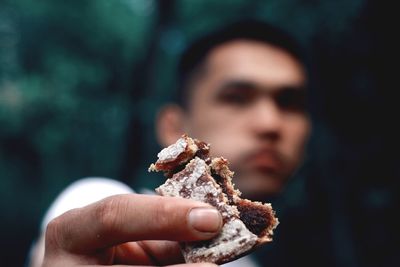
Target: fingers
{"points": [[119, 219], [158, 253]]}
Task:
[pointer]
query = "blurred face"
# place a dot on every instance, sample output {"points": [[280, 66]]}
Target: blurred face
{"points": [[248, 103]]}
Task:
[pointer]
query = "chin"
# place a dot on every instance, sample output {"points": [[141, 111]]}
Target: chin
{"points": [[260, 192]]}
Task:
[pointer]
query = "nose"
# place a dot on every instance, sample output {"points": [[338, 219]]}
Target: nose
{"points": [[266, 119]]}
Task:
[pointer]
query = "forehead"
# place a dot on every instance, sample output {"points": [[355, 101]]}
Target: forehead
{"points": [[254, 61]]}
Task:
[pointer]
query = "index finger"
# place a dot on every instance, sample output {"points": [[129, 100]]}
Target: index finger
{"points": [[132, 217]]}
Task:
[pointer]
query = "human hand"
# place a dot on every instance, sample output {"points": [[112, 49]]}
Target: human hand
{"points": [[130, 230]]}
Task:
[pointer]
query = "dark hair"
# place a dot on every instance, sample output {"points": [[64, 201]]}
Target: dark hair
{"points": [[249, 29]]}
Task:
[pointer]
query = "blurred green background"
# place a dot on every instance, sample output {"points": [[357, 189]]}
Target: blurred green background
{"points": [[81, 80]]}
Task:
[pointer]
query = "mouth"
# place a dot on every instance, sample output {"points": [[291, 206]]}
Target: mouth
{"points": [[266, 161]]}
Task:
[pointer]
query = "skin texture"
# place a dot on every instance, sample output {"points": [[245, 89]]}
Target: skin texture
{"points": [[110, 231], [247, 102]]}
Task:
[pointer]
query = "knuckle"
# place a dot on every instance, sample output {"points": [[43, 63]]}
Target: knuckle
{"points": [[109, 211], [58, 231], [53, 233]]}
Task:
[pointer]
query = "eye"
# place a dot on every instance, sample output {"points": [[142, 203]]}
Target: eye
{"points": [[236, 97], [237, 94], [292, 99]]}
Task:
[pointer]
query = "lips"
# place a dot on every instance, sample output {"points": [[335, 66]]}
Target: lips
{"points": [[265, 160]]}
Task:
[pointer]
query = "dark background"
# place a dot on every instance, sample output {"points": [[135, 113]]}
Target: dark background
{"points": [[80, 82]]}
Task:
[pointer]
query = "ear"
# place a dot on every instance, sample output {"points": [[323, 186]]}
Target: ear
{"points": [[170, 124]]}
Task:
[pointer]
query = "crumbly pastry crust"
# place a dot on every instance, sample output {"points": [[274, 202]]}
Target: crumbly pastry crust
{"points": [[194, 175]]}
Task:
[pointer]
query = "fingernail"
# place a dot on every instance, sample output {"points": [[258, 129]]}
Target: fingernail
{"points": [[205, 219]]}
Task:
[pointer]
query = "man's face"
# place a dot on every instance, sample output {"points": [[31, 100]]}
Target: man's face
{"points": [[249, 105]]}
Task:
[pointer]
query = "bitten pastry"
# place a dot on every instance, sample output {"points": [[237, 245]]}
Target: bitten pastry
{"points": [[194, 175]]}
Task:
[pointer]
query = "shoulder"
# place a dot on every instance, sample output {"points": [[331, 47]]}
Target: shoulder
{"points": [[83, 192]]}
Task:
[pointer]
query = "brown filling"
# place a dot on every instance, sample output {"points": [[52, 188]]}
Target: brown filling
{"points": [[204, 150], [176, 169], [225, 189], [256, 218], [168, 165]]}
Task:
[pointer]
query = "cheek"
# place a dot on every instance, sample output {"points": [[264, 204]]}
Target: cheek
{"points": [[295, 136], [210, 119]]}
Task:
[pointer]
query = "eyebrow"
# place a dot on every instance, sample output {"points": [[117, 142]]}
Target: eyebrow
{"points": [[246, 85], [249, 85]]}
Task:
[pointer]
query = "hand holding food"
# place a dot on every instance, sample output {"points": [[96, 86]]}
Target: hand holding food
{"points": [[193, 174]]}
